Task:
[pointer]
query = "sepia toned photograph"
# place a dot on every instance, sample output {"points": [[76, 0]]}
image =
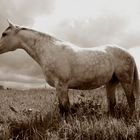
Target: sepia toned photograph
{"points": [[69, 69]]}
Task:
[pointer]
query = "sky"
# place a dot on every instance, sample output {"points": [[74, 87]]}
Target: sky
{"points": [[87, 23]]}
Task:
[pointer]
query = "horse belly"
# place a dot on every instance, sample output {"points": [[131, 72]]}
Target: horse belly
{"points": [[90, 84], [92, 76]]}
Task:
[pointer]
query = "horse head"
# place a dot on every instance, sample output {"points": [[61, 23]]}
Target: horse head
{"points": [[9, 40]]}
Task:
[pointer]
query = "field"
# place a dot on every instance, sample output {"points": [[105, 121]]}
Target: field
{"points": [[34, 115]]}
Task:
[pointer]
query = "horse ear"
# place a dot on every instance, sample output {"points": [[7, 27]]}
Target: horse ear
{"points": [[10, 23]]}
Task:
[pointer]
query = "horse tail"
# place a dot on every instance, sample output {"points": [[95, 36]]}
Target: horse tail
{"points": [[136, 83]]}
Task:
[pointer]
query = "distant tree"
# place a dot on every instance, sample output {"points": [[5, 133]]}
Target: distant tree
{"points": [[1, 87]]}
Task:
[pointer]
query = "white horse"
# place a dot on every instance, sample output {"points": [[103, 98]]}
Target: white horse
{"points": [[67, 66]]}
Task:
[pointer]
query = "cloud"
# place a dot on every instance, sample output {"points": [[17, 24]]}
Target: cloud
{"points": [[88, 32], [131, 40], [92, 23], [85, 23], [19, 62], [23, 12], [19, 67], [136, 53]]}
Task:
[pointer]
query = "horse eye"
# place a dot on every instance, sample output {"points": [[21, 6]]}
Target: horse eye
{"points": [[4, 34]]}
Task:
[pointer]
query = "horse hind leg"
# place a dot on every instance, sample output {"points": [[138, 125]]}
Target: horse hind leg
{"points": [[110, 89], [126, 80], [128, 89]]}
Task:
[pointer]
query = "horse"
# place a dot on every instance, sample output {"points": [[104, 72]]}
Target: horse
{"points": [[67, 66]]}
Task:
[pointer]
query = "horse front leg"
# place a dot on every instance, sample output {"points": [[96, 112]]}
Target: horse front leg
{"points": [[63, 98]]}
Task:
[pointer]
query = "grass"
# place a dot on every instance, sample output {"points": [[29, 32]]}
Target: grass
{"points": [[34, 115]]}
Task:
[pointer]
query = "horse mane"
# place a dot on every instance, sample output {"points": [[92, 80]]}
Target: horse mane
{"points": [[42, 35]]}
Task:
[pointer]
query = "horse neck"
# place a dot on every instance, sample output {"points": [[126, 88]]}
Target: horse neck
{"points": [[33, 43]]}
